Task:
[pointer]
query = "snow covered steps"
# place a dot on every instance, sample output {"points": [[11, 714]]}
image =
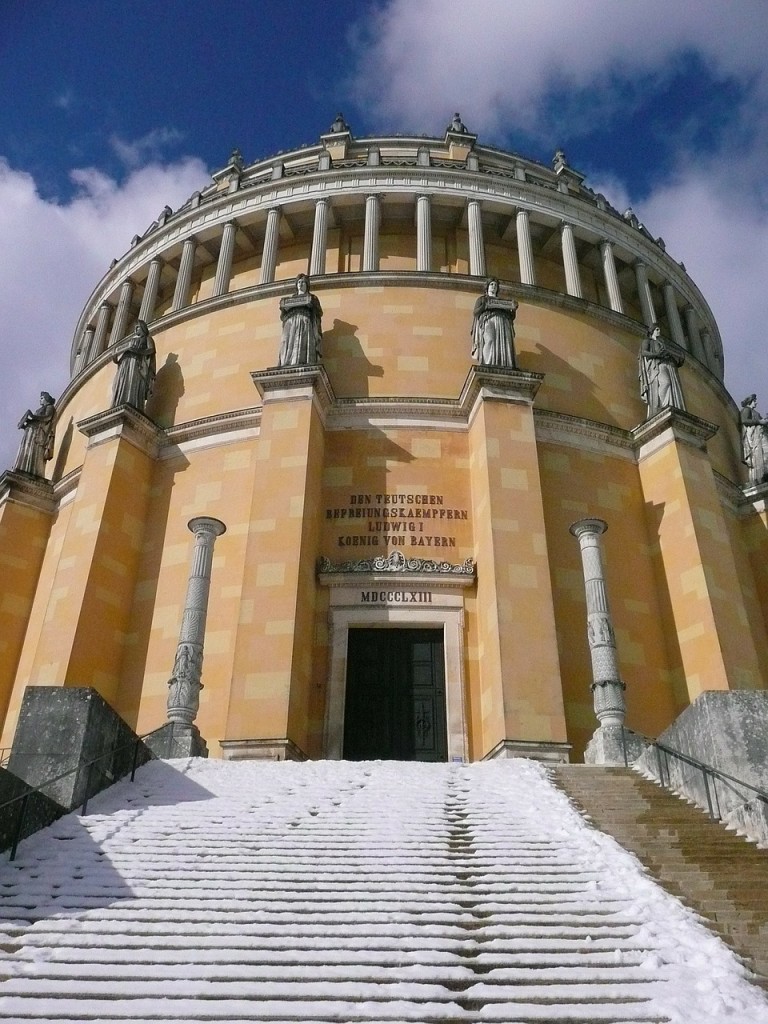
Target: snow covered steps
{"points": [[340, 892]]}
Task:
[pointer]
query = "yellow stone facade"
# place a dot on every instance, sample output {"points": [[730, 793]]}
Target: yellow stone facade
{"points": [[397, 444]]}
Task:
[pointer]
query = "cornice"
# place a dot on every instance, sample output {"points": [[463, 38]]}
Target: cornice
{"points": [[585, 434], [33, 492], [125, 423], [671, 424]]}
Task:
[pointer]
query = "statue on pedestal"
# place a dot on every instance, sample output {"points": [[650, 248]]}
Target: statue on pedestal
{"points": [[754, 443], [301, 317], [136, 369], [36, 446], [493, 328], [659, 379]]}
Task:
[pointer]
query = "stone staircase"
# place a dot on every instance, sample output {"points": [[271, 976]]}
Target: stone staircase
{"points": [[719, 874], [339, 892]]}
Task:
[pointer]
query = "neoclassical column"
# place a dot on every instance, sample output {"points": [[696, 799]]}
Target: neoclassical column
{"points": [[644, 294], [525, 248], [570, 261], [151, 288], [319, 238], [224, 264], [184, 278], [611, 277], [84, 350], [102, 323], [371, 237], [673, 315], [120, 323], [184, 684], [271, 239], [423, 233], [476, 245], [694, 338], [607, 687]]}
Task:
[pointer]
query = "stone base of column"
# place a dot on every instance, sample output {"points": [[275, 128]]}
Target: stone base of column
{"points": [[278, 749], [552, 753], [613, 745], [176, 739]]}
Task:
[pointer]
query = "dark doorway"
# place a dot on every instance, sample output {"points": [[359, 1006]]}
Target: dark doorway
{"points": [[395, 698]]}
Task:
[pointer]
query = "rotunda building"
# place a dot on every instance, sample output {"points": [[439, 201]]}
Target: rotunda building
{"points": [[392, 372]]}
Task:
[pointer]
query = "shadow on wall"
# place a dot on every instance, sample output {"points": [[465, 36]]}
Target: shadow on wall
{"points": [[346, 363], [166, 393]]}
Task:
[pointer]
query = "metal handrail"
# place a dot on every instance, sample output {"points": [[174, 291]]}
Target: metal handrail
{"points": [[707, 771], [23, 798]]}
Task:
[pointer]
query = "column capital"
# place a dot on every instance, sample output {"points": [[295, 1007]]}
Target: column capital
{"points": [[589, 525], [206, 525]]}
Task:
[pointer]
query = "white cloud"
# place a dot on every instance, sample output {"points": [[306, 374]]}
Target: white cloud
{"points": [[500, 62], [54, 254], [135, 152]]}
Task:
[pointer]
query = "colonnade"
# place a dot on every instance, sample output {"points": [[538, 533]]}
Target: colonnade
{"points": [[113, 319]]}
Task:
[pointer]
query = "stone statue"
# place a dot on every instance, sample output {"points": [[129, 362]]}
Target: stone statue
{"points": [[136, 369], [493, 328], [36, 446], [457, 125], [659, 379], [559, 161], [754, 443], [301, 317], [236, 160], [339, 125]]}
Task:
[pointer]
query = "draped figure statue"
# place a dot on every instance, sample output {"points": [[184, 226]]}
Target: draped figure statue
{"points": [[754, 442], [493, 328], [659, 379], [36, 446], [136, 369], [301, 317]]}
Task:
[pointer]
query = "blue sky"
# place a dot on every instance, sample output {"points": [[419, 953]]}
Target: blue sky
{"points": [[113, 109]]}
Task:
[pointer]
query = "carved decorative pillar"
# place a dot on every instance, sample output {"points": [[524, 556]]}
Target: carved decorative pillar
{"points": [[673, 316], [120, 323], [271, 239], [476, 245], [694, 338], [423, 233], [570, 261], [151, 288], [371, 237], [525, 248], [319, 238], [184, 684], [184, 279], [102, 323], [644, 294], [224, 265], [611, 277], [607, 687]]}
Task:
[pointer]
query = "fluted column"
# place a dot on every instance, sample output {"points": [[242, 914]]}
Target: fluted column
{"points": [[319, 238], [607, 687], [611, 277], [102, 323], [82, 358], [694, 338], [371, 237], [120, 323], [525, 248], [151, 288], [423, 233], [644, 294], [673, 316], [476, 245], [570, 262], [224, 264], [184, 279], [184, 684], [271, 239]]}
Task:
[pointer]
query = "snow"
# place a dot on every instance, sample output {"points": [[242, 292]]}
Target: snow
{"points": [[338, 891]]}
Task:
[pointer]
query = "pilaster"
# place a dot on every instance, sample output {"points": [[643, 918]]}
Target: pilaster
{"points": [[711, 645], [272, 667], [516, 674]]}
